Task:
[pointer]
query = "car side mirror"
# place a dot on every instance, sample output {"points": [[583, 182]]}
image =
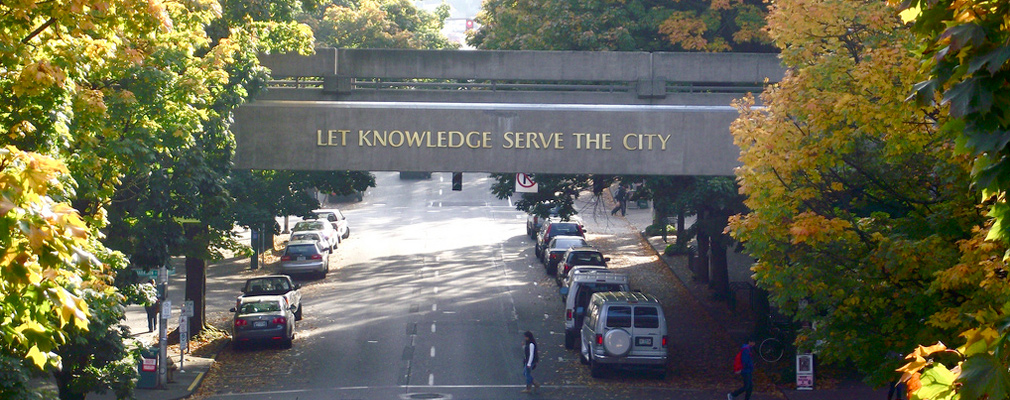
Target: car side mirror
{"points": [[293, 308], [298, 286], [564, 291], [606, 259], [231, 309]]}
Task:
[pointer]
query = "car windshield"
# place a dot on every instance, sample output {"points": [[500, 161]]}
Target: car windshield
{"points": [[301, 250], [565, 229], [268, 285], [305, 236], [260, 307], [309, 226], [566, 243], [586, 258]]}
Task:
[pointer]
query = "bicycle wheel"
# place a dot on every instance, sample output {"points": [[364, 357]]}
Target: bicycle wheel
{"points": [[771, 350]]}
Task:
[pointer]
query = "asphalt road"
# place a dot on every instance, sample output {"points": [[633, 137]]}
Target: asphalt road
{"points": [[427, 299]]}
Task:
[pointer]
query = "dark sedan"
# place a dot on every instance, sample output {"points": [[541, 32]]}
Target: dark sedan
{"points": [[556, 248], [263, 319]]}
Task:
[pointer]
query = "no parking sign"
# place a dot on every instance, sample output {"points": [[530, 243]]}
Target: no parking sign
{"points": [[525, 183]]}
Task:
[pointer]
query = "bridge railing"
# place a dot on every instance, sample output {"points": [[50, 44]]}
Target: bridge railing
{"points": [[373, 74]]}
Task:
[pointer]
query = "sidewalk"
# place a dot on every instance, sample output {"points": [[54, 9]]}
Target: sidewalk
{"points": [[735, 323]]}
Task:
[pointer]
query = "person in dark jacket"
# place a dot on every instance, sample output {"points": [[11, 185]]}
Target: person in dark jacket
{"points": [[747, 374], [622, 200], [529, 361], [152, 310]]}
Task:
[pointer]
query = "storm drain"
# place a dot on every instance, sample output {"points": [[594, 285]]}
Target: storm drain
{"points": [[425, 396]]}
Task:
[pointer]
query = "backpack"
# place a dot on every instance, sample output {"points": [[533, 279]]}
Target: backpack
{"points": [[536, 356], [738, 362]]}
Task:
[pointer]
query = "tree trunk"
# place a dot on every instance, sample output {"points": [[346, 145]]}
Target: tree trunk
{"points": [[64, 383], [680, 223], [701, 267], [196, 282], [719, 268]]}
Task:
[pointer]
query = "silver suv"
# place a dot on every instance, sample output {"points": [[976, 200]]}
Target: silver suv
{"points": [[625, 330]]}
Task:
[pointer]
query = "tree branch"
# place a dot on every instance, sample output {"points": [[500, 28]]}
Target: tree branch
{"points": [[38, 30]]}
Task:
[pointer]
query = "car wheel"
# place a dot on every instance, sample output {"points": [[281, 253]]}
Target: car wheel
{"points": [[583, 353], [298, 313], [236, 345], [661, 374], [552, 270], [569, 340], [286, 344], [347, 233], [595, 369]]}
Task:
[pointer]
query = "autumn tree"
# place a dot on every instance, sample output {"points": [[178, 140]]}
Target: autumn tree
{"points": [[966, 55], [47, 264], [379, 24], [635, 25], [860, 208]]}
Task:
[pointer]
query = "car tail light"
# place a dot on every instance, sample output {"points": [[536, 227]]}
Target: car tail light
{"points": [[317, 257], [555, 256], [285, 258], [280, 321], [599, 339], [241, 322], [664, 340], [568, 314]]}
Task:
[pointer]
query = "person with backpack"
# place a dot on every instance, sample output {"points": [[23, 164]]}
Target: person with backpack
{"points": [[530, 358], [744, 365], [622, 200]]}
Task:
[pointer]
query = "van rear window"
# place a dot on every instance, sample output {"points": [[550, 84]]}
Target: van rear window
{"points": [[646, 317], [619, 317]]}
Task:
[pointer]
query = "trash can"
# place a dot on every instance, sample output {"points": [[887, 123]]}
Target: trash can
{"points": [[148, 368]]}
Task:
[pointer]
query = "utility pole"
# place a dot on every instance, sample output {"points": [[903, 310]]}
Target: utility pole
{"points": [[166, 310]]}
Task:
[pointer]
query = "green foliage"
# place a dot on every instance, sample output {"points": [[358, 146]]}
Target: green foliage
{"points": [[689, 25], [966, 49], [86, 368], [860, 215], [380, 24]]}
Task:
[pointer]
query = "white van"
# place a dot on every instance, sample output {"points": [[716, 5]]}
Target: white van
{"points": [[624, 330], [577, 296]]}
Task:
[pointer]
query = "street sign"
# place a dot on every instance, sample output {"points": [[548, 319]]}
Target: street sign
{"points": [[805, 371], [183, 333], [187, 308], [166, 309], [525, 183]]}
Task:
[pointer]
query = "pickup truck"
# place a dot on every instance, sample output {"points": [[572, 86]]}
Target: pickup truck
{"points": [[274, 285]]}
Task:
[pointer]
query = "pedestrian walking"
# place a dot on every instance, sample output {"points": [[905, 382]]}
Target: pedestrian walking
{"points": [[622, 201], [152, 307], [744, 365], [530, 358]]}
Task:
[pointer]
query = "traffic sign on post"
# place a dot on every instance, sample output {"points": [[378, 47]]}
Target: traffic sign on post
{"points": [[525, 183]]}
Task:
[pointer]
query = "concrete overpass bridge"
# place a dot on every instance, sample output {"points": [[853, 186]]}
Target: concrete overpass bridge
{"points": [[500, 111]]}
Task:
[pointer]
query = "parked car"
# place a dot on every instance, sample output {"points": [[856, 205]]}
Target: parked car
{"points": [[273, 285], [337, 220], [579, 256], [534, 221], [578, 294], [324, 228], [263, 318], [624, 330], [580, 269], [308, 235], [305, 256], [552, 228], [557, 247]]}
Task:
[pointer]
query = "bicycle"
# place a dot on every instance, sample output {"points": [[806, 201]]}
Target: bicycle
{"points": [[772, 348]]}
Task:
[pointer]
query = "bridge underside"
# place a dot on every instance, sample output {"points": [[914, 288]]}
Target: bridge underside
{"points": [[511, 111]]}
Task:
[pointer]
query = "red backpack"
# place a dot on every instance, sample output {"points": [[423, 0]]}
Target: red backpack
{"points": [[738, 363]]}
